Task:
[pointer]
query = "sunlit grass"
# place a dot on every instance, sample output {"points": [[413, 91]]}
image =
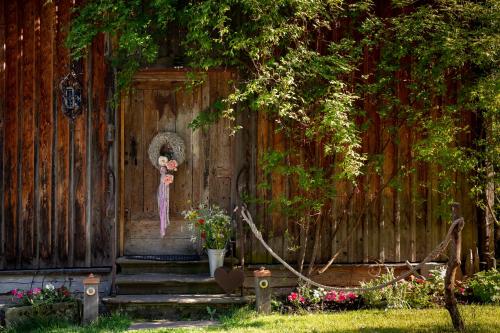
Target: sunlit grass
{"points": [[477, 319]]}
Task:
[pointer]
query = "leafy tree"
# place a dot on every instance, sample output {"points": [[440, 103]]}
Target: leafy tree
{"points": [[301, 62]]}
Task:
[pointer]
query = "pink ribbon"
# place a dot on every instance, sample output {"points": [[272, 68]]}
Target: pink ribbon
{"points": [[163, 202]]}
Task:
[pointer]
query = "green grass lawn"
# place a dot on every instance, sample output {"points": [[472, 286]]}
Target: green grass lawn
{"points": [[477, 319]]}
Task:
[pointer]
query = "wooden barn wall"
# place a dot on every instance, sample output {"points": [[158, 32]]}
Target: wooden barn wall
{"points": [[55, 173], [398, 225]]}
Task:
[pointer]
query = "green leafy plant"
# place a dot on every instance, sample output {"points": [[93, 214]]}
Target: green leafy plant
{"points": [[213, 224], [433, 63], [485, 286], [211, 312], [393, 296], [416, 292]]}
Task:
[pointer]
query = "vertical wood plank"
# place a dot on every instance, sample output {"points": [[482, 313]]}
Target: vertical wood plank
{"points": [[197, 153], [27, 213], [99, 232], [388, 192], [11, 134], [413, 198], [3, 29], [79, 181], [183, 181], [124, 105], [46, 125], [151, 174], [259, 254], [134, 154], [65, 227]]}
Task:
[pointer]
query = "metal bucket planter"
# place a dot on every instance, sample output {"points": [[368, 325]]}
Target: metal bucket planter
{"points": [[215, 259], [70, 311]]}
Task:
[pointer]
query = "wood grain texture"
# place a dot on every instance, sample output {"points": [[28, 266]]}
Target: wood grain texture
{"points": [[27, 210], [205, 175], [65, 227], [56, 184], [41, 212], [3, 29], [46, 135], [99, 232], [12, 124]]}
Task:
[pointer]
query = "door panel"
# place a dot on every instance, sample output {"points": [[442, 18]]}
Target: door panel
{"points": [[151, 111], [160, 102]]}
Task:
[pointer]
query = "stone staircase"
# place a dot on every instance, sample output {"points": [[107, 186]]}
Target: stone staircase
{"points": [[175, 290]]}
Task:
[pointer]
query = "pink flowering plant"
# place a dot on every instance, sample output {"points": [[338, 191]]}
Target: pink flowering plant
{"points": [[42, 296], [319, 299]]}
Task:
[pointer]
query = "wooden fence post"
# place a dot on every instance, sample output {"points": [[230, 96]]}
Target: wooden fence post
{"points": [[451, 270]]}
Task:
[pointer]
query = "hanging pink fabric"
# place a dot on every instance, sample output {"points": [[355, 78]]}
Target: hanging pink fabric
{"points": [[163, 200]]}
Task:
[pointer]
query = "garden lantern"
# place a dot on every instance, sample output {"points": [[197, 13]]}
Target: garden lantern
{"points": [[90, 299], [263, 290]]}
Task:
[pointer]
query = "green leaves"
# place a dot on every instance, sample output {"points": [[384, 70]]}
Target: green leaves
{"points": [[313, 65]]}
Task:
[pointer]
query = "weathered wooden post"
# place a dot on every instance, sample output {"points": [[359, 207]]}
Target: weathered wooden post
{"points": [[262, 290], [90, 299], [451, 270]]}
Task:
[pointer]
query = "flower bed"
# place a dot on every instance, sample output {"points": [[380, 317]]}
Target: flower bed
{"points": [[314, 300], [417, 292], [47, 301]]}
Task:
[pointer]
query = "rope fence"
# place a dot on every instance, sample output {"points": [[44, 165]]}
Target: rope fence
{"points": [[453, 237], [434, 254]]}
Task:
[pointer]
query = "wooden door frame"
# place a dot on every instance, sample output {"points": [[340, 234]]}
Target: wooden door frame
{"points": [[144, 79]]}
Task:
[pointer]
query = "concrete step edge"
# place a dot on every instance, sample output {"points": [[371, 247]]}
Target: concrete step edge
{"points": [[195, 299], [162, 278]]}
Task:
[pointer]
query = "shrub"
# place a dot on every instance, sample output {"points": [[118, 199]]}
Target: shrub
{"points": [[417, 292], [485, 286], [392, 296]]}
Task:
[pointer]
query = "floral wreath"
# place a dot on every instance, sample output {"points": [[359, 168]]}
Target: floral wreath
{"points": [[174, 144], [166, 162]]}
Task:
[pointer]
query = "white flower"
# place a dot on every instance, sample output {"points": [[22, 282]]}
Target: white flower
{"points": [[162, 161], [49, 286]]}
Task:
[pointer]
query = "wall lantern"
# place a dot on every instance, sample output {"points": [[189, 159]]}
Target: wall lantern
{"points": [[71, 92]]}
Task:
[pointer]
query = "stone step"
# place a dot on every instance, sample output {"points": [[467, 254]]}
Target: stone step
{"points": [[139, 266], [173, 307], [164, 283]]}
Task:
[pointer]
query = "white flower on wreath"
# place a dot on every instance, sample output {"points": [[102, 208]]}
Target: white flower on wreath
{"points": [[162, 161], [49, 286]]}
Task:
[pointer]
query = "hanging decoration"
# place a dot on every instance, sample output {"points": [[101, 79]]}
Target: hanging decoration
{"points": [[166, 153], [72, 91]]}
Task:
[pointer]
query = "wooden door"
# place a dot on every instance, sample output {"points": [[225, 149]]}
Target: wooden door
{"points": [[151, 109], [158, 102]]}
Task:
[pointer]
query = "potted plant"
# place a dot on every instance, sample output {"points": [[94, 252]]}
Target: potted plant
{"points": [[214, 226]]}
